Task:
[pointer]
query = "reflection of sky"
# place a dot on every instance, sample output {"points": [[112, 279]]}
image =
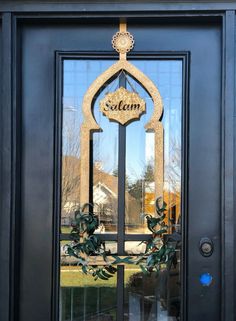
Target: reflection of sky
{"points": [[139, 147], [105, 144], [167, 76], [78, 76]]}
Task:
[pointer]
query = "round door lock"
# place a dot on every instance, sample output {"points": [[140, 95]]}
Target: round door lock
{"points": [[206, 246]]}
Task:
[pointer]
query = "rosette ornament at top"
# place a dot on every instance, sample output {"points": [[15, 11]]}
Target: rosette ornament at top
{"points": [[123, 42]]}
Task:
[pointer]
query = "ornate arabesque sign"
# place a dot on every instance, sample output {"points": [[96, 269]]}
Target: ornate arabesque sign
{"points": [[122, 106]]}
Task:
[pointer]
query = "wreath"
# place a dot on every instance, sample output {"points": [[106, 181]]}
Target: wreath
{"points": [[86, 246]]}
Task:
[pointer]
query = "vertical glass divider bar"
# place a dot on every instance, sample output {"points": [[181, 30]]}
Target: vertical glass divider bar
{"points": [[71, 304], [91, 174], [121, 210], [120, 293], [85, 304], [121, 179]]}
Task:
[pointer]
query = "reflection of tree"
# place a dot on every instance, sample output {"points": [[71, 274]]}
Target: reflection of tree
{"points": [[115, 172], [141, 195], [149, 173], [172, 184], [136, 189], [105, 150], [70, 161], [70, 178], [173, 167]]}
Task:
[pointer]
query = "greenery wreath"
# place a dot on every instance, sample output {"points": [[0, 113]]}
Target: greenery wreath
{"points": [[86, 246]]}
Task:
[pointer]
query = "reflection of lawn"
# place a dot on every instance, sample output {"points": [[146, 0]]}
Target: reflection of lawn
{"points": [[66, 229], [64, 242], [88, 303], [72, 276]]}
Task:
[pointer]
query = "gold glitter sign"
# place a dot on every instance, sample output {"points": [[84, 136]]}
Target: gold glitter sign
{"points": [[122, 106]]}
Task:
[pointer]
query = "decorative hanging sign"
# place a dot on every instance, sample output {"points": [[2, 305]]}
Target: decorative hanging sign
{"points": [[122, 106]]}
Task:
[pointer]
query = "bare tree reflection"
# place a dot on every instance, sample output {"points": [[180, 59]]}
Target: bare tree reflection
{"points": [[70, 183]]}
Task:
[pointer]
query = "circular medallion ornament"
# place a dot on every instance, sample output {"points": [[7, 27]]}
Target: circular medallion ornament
{"points": [[123, 42]]}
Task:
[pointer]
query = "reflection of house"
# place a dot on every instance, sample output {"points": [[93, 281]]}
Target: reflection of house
{"points": [[105, 190], [173, 201], [173, 209], [105, 197]]}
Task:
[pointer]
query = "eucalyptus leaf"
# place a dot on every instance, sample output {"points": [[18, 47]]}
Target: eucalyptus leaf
{"points": [[101, 276]]}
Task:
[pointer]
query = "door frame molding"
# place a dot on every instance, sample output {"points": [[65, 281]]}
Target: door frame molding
{"points": [[131, 6]]}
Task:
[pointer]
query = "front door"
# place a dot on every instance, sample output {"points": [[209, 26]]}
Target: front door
{"points": [[121, 169]]}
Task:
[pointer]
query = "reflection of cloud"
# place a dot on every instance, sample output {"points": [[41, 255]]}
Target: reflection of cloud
{"points": [[69, 108]]}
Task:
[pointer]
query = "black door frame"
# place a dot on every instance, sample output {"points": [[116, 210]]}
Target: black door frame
{"points": [[13, 13]]}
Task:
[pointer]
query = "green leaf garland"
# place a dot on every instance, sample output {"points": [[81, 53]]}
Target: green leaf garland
{"points": [[85, 245]]}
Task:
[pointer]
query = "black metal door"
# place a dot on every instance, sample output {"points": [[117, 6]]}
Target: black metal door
{"points": [[199, 44]]}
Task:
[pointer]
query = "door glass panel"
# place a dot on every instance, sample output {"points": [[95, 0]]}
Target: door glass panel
{"points": [[81, 298], [141, 297], [140, 146], [77, 77], [105, 169], [134, 247], [140, 185], [152, 298], [88, 301]]}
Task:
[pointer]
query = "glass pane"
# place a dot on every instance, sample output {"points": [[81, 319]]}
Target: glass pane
{"points": [[140, 185], [111, 246], [152, 297], [105, 168], [140, 157], [77, 77], [82, 298], [134, 247]]}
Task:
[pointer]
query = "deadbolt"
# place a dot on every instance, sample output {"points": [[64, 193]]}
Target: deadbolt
{"points": [[206, 246]]}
